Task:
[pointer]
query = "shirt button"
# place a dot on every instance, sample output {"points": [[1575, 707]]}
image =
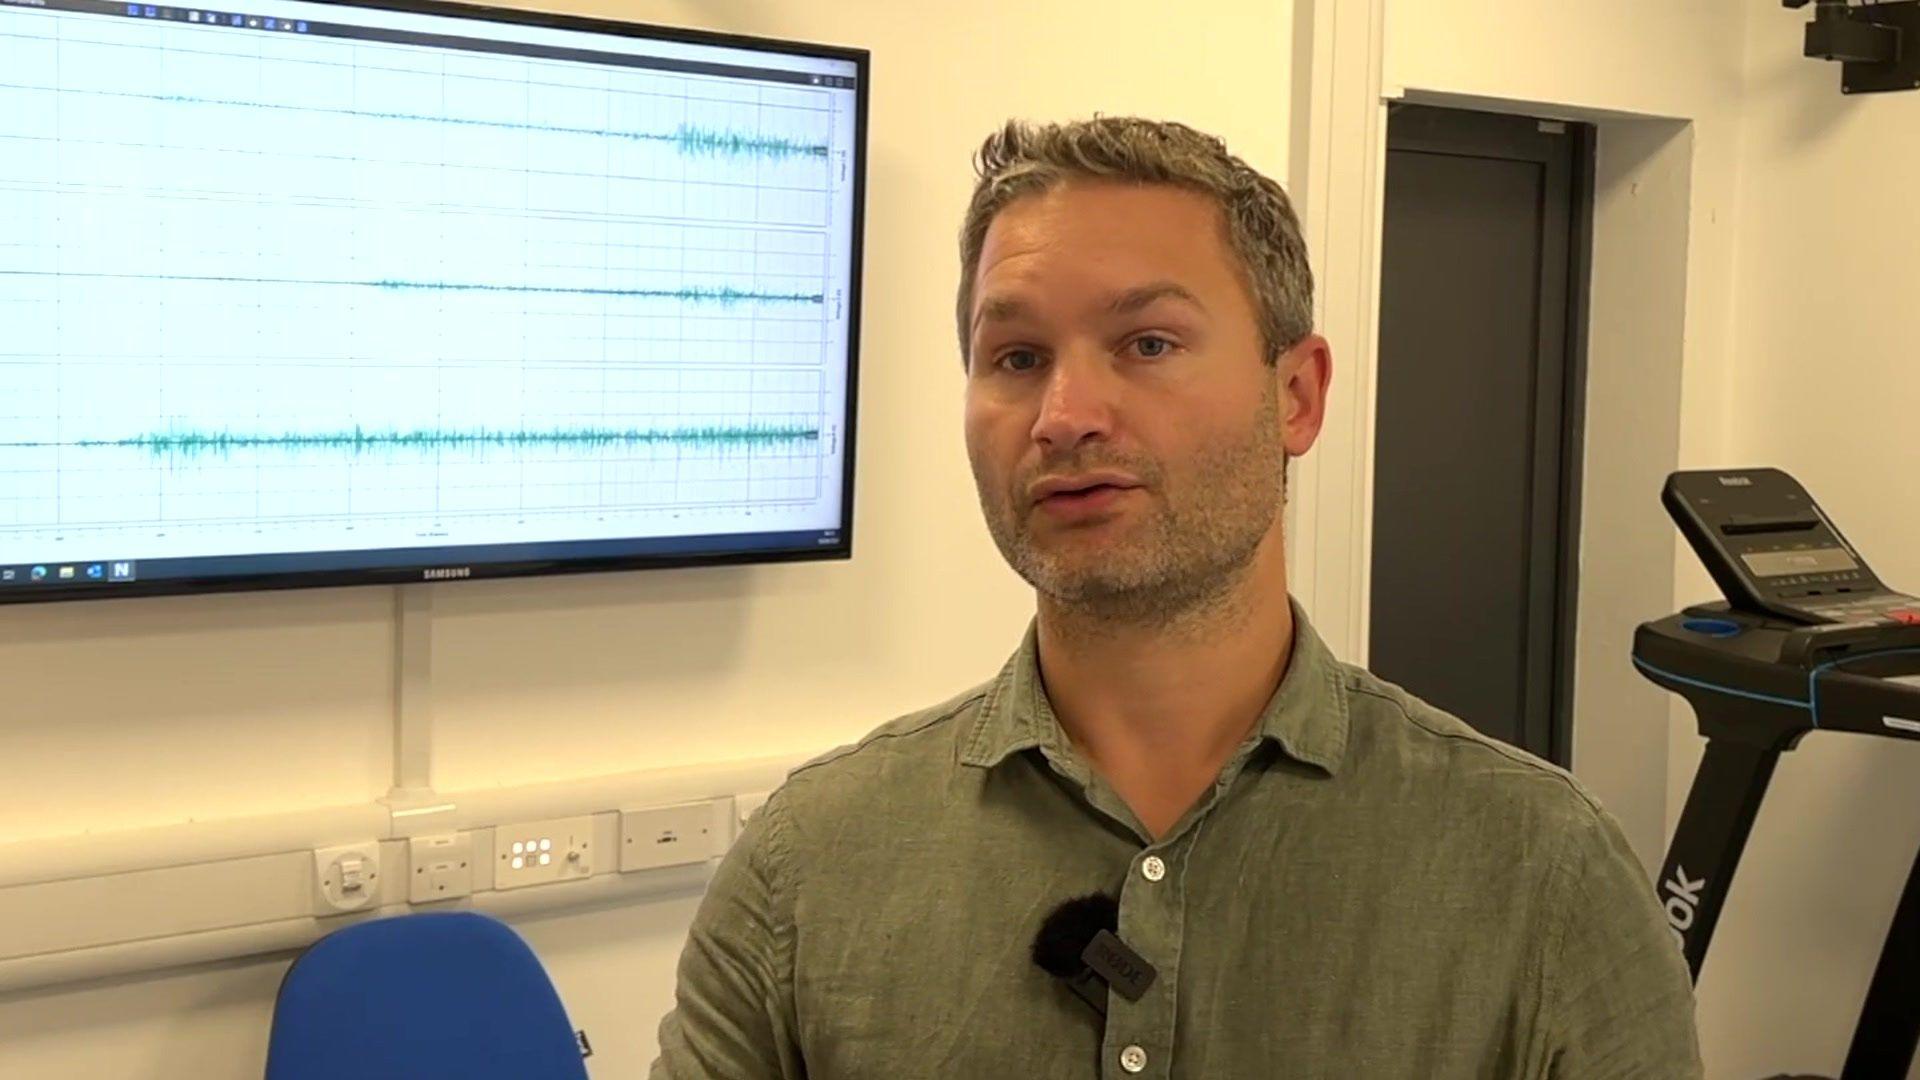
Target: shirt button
{"points": [[1133, 1059], [1153, 868]]}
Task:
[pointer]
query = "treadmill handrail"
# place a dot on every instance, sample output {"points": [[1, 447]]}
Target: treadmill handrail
{"points": [[1876, 705], [1819, 643]]}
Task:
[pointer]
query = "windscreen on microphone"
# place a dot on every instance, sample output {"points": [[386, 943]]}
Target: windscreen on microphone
{"points": [[1064, 936]]}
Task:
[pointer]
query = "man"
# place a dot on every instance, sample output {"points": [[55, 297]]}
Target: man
{"points": [[1329, 877]]}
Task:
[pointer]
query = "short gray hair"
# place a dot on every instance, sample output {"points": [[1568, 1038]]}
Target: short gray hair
{"points": [[1027, 159]]}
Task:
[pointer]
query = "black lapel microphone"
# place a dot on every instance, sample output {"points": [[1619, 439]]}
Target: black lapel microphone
{"points": [[1078, 945]]}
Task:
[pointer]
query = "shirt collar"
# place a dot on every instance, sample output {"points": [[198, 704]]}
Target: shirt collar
{"points": [[1306, 717]]}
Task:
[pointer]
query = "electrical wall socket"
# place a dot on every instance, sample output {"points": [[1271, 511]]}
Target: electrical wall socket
{"points": [[541, 852], [668, 836], [439, 867], [346, 878]]}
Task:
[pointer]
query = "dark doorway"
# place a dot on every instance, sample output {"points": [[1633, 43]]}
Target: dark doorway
{"points": [[1478, 447]]}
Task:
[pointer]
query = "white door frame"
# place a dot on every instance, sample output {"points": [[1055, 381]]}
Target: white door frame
{"points": [[1336, 166]]}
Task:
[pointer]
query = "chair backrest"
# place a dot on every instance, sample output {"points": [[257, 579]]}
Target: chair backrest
{"points": [[421, 997]]}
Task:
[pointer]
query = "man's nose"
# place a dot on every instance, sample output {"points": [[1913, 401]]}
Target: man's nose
{"points": [[1077, 403]]}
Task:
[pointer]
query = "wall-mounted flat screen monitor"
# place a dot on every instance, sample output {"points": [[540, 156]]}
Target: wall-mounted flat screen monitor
{"points": [[318, 294]]}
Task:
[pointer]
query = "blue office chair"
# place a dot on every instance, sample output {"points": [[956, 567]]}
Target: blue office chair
{"points": [[421, 997]]}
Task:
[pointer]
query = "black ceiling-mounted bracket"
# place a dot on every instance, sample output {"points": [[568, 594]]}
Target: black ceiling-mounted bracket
{"points": [[1877, 44]]}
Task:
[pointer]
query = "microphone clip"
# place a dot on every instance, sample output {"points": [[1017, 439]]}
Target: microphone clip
{"points": [[1126, 971]]}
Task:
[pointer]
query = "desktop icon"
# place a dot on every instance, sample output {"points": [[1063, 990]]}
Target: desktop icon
{"points": [[238, 21], [39, 573], [193, 16], [96, 572], [66, 573], [121, 571], [270, 25], [150, 12], [300, 27], [133, 9], [8, 574]]}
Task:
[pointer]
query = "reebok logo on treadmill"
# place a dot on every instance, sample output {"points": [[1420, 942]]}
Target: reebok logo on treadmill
{"points": [[1683, 903]]}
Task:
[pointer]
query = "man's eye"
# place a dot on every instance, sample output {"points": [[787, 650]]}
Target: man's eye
{"points": [[1020, 360], [1152, 347]]}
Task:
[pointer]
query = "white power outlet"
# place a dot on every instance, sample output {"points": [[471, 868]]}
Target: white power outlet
{"points": [[667, 836], [439, 867], [541, 852], [346, 878]]}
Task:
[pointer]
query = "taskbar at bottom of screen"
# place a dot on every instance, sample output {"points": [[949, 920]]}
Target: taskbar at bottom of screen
{"points": [[78, 579]]}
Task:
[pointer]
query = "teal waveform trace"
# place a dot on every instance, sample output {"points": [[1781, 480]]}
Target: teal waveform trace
{"points": [[690, 140], [719, 295], [693, 141], [722, 296], [360, 441]]}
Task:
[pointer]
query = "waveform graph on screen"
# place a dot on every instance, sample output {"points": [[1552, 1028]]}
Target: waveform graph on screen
{"points": [[586, 444], [411, 295]]}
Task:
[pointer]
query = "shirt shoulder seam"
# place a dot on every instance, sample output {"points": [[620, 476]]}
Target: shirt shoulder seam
{"points": [[1556, 892], [778, 874], [1491, 745], [935, 718]]}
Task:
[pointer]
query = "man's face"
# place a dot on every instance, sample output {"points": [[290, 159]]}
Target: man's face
{"points": [[1123, 425]]}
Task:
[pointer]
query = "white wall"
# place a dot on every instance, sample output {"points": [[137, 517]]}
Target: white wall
{"points": [[1635, 385], [129, 713], [1825, 387]]}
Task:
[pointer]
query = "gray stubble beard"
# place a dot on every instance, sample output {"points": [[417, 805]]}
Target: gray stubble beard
{"points": [[1190, 558]]}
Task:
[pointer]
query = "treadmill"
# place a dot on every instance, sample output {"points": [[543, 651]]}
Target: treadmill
{"points": [[1807, 639]]}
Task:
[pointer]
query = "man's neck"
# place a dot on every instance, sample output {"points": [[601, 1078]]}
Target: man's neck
{"points": [[1158, 709]]}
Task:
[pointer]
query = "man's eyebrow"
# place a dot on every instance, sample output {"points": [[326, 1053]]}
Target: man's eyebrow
{"points": [[1133, 300], [1006, 308], [999, 309]]}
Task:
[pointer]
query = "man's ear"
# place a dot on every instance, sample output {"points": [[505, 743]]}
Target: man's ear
{"points": [[1304, 371]]}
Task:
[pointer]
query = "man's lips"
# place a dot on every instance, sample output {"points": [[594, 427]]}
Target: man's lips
{"points": [[1082, 498], [1081, 485]]}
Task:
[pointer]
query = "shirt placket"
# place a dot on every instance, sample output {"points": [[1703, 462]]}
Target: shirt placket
{"points": [[1139, 1035]]}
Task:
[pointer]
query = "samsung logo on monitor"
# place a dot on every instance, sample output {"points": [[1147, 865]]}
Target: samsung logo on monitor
{"points": [[1736, 481], [445, 572]]}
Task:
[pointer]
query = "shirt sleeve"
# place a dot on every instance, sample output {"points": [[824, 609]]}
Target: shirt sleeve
{"points": [[733, 1006], [1619, 997]]}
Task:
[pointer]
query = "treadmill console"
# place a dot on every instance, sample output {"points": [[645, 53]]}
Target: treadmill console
{"points": [[1771, 549]]}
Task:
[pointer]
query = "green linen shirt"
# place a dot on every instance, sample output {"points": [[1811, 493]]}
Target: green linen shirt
{"points": [[1370, 889]]}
